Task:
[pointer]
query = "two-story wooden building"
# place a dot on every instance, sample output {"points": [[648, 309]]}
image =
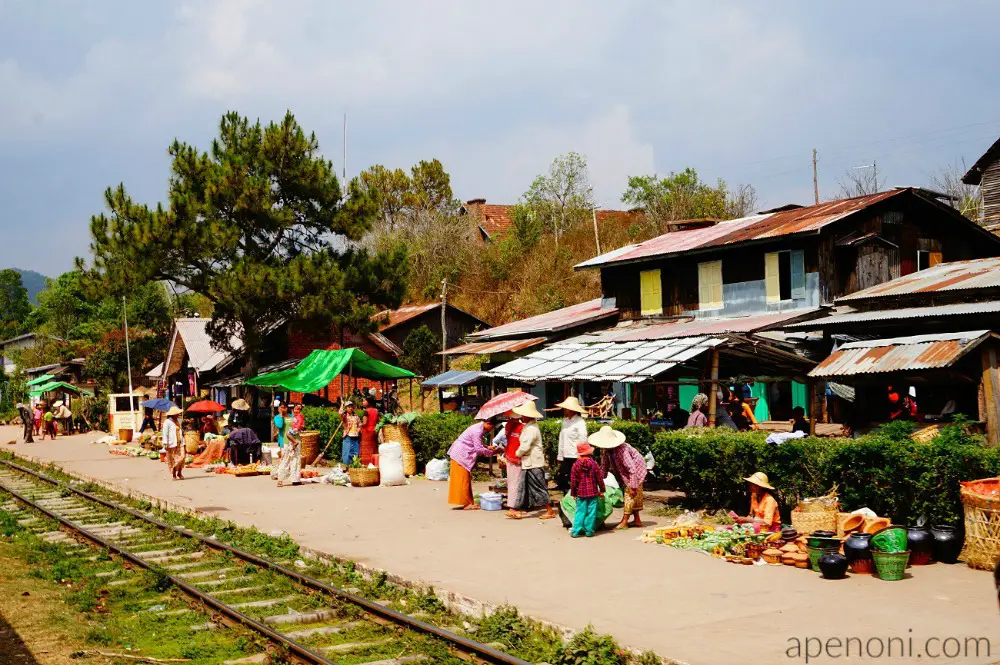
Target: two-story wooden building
{"points": [[711, 293]]}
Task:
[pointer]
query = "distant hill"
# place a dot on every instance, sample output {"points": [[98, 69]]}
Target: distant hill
{"points": [[33, 282]]}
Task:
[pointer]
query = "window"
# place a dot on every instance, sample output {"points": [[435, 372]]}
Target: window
{"points": [[927, 259], [650, 293], [784, 276], [710, 285]]}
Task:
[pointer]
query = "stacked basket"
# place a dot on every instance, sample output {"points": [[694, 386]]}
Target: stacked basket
{"points": [[981, 500], [890, 553], [363, 476], [399, 434], [310, 446]]}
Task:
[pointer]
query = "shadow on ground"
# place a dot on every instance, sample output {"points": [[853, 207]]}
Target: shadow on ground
{"points": [[13, 650]]}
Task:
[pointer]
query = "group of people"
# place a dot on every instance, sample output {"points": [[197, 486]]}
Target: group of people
{"points": [[360, 440], [519, 443], [42, 420]]}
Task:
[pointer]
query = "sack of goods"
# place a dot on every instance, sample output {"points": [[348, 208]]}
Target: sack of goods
{"points": [[438, 469], [390, 464]]}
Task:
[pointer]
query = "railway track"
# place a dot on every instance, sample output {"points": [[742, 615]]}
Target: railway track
{"points": [[311, 620]]}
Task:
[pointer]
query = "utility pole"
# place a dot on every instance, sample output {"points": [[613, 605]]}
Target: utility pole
{"points": [[815, 179], [344, 184], [875, 173], [444, 330], [597, 237]]}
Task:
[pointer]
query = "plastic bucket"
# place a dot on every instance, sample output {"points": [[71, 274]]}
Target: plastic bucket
{"points": [[491, 501]]}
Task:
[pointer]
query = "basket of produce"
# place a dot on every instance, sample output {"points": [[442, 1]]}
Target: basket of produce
{"points": [[981, 501], [890, 566], [363, 476], [246, 470], [310, 446], [393, 433]]}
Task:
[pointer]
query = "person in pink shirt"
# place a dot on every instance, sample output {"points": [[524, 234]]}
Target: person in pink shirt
{"points": [[463, 453]]}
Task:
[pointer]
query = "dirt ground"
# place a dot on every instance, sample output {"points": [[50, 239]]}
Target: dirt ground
{"points": [[686, 606]]}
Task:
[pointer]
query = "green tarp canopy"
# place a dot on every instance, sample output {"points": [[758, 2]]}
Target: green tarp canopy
{"points": [[44, 378], [58, 385], [319, 368]]}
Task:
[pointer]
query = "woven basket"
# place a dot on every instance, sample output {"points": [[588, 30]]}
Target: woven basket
{"points": [[310, 446], [981, 500], [363, 477], [192, 438], [397, 434], [890, 566], [409, 463], [806, 523]]}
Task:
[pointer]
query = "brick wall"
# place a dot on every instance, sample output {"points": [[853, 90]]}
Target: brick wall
{"points": [[301, 345]]}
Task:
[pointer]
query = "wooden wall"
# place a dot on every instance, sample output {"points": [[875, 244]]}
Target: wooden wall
{"points": [[990, 187]]}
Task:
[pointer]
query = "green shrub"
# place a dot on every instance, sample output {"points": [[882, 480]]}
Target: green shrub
{"points": [[886, 471], [433, 434], [325, 420]]}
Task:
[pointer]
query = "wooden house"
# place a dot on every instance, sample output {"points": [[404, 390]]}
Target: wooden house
{"points": [[986, 173], [788, 258]]}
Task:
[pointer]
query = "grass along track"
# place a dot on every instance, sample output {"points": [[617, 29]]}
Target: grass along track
{"points": [[309, 618]]}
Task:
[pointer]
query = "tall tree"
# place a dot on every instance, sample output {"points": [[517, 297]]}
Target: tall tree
{"points": [[253, 225], [14, 304], [684, 195], [563, 195]]}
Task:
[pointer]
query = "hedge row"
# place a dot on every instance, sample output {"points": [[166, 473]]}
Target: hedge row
{"points": [[885, 471]]}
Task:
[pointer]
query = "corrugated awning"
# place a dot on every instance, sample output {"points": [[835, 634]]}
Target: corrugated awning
{"points": [[454, 377], [855, 317], [487, 348], [601, 361], [900, 354]]}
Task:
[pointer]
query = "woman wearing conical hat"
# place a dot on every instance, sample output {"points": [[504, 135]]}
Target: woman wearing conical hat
{"points": [[572, 433], [627, 465], [763, 505], [533, 492]]}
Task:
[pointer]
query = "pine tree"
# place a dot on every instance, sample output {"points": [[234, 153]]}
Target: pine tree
{"points": [[260, 227]]}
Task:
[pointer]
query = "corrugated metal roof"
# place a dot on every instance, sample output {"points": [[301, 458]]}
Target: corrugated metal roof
{"points": [[550, 322], [951, 276], [487, 348], [601, 361], [454, 377], [202, 356], [992, 306], [394, 317], [384, 343], [755, 227], [640, 332], [899, 354]]}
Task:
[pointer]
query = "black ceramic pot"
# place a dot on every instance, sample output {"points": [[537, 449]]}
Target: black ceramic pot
{"points": [[920, 542], [823, 534], [947, 544], [858, 551], [833, 565]]}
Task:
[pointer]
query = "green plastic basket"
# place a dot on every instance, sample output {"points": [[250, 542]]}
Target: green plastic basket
{"points": [[891, 539], [890, 566], [815, 553]]}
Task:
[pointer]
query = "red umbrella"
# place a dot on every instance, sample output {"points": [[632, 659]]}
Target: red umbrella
{"points": [[503, 403], [205, 406]]}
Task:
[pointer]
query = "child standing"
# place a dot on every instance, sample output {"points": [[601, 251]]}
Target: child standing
{"points": [[586, 484]]}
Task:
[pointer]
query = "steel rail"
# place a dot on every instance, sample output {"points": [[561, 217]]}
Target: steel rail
{"points": [[294, 647], [481, 650]]}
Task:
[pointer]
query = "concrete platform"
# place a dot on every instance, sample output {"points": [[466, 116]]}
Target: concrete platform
{"points": [[686, 606]]}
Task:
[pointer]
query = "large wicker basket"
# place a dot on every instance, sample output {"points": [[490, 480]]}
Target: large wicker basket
{"points": [[310, 446], [192, 438], [981, 500], [806, 523], [363, 477], [397, 434], [409, 462]]}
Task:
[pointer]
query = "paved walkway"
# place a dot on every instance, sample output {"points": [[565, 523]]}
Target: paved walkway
{"points": [[685, 606]]}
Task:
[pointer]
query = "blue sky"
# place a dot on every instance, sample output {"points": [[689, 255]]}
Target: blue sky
{"points": [[92, 93]]}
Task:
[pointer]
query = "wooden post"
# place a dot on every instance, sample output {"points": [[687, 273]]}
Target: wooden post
{"points": [[713, 395], [991, 393], [811, 388], [441, 399]]}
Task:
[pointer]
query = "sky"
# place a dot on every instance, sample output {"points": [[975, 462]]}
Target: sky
{"points": [[92, 93]]}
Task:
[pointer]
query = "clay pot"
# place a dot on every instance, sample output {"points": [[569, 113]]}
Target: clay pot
{"points": [[833, 565], [854, 523], [947, 543], [858, 552], [823, 534], [876, 524], [920, 542]]}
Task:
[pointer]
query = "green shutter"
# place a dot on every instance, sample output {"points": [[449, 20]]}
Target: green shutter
{"points": [[762, 411], [800, 396]]}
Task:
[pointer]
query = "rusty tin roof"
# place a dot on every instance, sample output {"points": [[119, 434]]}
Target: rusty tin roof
{"points": [[550, 322], [899, 354], [951, 276], [487, 348]]}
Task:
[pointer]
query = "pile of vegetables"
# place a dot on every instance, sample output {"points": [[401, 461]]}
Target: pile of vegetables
{"points": [[717, 540]]}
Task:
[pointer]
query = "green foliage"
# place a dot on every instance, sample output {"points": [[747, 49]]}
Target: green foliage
{"points": [[589, 648], [563, 196], [896, 477], [685, 196], [250, 225], [325, 420], [519, 635], [433, 434], [419, 352], [14, 304]]}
